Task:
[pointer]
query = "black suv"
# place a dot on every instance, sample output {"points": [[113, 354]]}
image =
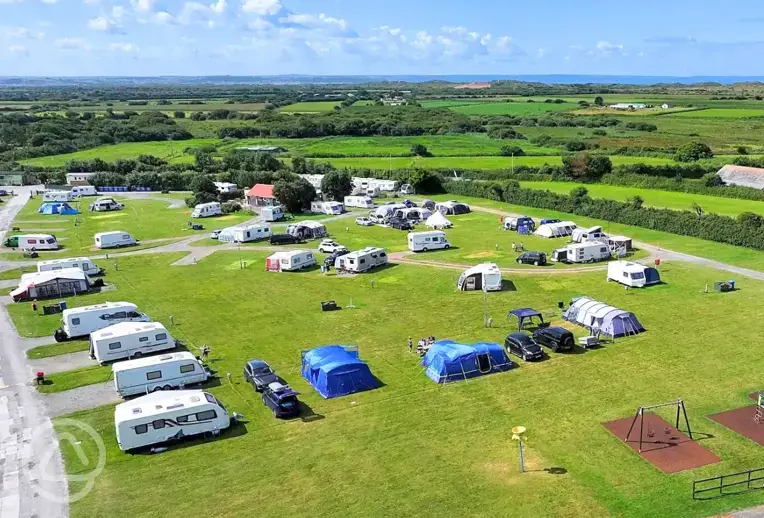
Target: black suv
{"points": [[523, 346], [282, 400], [557, 339], [259, 374], [284, 239], [400, 224], [534, 258]]}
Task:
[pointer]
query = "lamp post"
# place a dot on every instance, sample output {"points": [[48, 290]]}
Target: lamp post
{"points": [[238, 246], [517, 435]]}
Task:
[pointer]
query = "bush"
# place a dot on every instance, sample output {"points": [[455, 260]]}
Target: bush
{"points": [[693, 152], [575, 145], [230, 207], [420, 150], [512, 151]]}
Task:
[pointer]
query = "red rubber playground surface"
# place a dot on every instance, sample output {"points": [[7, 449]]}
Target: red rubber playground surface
{"points": [[670, 452], [740, 420]]}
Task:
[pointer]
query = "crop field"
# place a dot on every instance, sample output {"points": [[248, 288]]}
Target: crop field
{"points": [[513, 108]]}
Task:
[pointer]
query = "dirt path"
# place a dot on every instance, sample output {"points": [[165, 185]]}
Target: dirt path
{"points": [[80, 398], [61, 363]]}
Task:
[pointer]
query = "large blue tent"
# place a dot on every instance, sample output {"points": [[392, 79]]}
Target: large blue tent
{"points": [[57, 207], [448, 361], [336, 370]]}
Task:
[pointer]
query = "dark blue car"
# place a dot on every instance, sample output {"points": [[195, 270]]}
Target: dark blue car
{"points": [[523, 346], [282, 400]]}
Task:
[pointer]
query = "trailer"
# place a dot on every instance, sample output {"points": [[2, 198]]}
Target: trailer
{"points": [[207, 210], [362, 202], [32, 241], [270, 214], [634, 275], [327, 207], [84, 190], [290, 261], [165, 372], [127, 340], [245, 234], [582, 253], [57, 196], [483, 277], [114, 239], [361, 260], [429, 240], [83, 263], [84, 320], [167, 416], [590, 235]]}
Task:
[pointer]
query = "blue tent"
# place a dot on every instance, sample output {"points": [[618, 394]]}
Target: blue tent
{"points": [[57, 207], [336, 370], [448, 361]]}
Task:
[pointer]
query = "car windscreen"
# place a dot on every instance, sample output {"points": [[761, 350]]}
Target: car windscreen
{"points": [[288, 401], [261, 369]]}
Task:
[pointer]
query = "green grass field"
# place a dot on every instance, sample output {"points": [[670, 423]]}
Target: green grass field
{"points": [[724, 113], [310, 107], [513, 108]]}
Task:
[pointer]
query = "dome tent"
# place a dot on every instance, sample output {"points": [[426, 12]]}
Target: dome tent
{"points": [[448, 361], [336, 370], [599, 317]]}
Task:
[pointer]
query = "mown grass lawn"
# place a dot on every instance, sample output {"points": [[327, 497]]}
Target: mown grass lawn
{"points": [[46, 351], [412, 447], [63, 381], [725, 113]]}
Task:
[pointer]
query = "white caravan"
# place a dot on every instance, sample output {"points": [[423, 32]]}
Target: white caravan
{"points": [[591, 235], [127, 340], [114, 239], [226, 187], [250, 233], [105, 205], [362, 260], [206, 210], [57, 196], [327, 207], [165, 372], [483, 277], [407, 188], [86, 319], [84, 190], [36, 241], [630, 274], [290, 261], [363, 202], [582, 253], [165, 416], [430, 240], [83, 263], [272, 214]]}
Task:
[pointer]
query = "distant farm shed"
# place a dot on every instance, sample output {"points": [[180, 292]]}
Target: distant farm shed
{"points": [[743, 176], [263, 149]]}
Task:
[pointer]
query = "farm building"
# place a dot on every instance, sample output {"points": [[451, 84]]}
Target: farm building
{"points": [[79, 178], [261, 195], [628, 106], [598, 317], [743, 176], [262, 149], [49, 284], [336, 370], [448, 361], [559, 229], [307, 230], [55, 207]]}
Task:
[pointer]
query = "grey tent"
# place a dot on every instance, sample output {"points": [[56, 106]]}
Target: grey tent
{"points": [[602, 318]]}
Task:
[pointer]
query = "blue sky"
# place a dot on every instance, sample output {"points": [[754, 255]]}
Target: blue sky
{"points": [[261, 37]]}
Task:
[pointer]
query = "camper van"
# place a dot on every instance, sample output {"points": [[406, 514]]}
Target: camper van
{"points": [[105, 205], [57, 196], [424, 241], [363, 202], [272, 214], [327, 207], [127, 340], [582, 253], [115, 239], [290, 261], [83, 263], [87, 319], [36, 241], [630, 274], [84, 190], [165, 372], [166, 416], [362, 260], [483, 277], [206, 210], [589, 235]]}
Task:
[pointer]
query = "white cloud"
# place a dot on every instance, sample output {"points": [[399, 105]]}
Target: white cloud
{"points": [[143, 6], [103, 24], [19, 33], [606, 49], [261, 7], [71, 44], [123, 47], [18, 49]]}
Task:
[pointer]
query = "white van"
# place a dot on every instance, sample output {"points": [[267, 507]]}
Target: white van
{"points": [[83, 263], [105, 205], [87, 319], [36, 241], [272, 214], [430, 240], [165, 372], [362, 260], [84, 190], [582, 253], [115, 239], [206, 210], [129, 340], [363, 202], [165, 416], [57, 196]]}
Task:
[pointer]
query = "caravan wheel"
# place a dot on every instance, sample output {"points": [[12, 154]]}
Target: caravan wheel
{"points": [[167, 387], [156, 389], [424, 249], [447, 247], [137, 355]]}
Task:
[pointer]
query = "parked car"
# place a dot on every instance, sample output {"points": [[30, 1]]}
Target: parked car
{"points": [[281, 399], [259, 374], [524, 346], [378, 219], [328, 246], [215, 234], [364, 221], [558, 339], [400, 224], [332, 258], [534, 258], [284, 239]]}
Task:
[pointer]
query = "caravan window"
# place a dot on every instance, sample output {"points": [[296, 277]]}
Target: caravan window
{"points": [[75, 265], [75, 321], [115, 345], [143, 339], [32, 241], [141, 428], [206, 415], [117, 315], [50, 240], [161, 336], [159, 423], [603, 250], [154, 375], [626, 274], [638, 275], [187, 368]]}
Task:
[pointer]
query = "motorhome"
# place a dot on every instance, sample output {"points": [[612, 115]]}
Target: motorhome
{"points": [[166, 416], [590, 235], [430, 240], [362, 260], [36, 241], [272, 214], [206, 210], [290, 261], [634, 275], [363, 202], [582, 253], [114, 239], [84, 190], [86, 319], [105, 205], [127, 340], [164, 372], [245, 234], [57, 196], [483, 277], [327, 207], [83, 263]]}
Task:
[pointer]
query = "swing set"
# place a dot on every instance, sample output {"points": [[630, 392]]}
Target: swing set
{"points": [[640, 415]]}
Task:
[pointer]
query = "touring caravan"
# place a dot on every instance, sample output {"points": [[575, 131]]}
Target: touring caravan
{"points": [[52, 284], [165, 372], [430, 240], [408, 188], [591, 235], [115, 239], [363, 202], [245, 234], [582, 253], [166, 416], [630, 274], [327, 207], [83, 263], [362, 260], [84, 190], [127, 340], [105, 205], [36, 241], [57, 196], [206, 210], [270, 214], [483, 277], [290, 261], [226, 187], [84, 320]]}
